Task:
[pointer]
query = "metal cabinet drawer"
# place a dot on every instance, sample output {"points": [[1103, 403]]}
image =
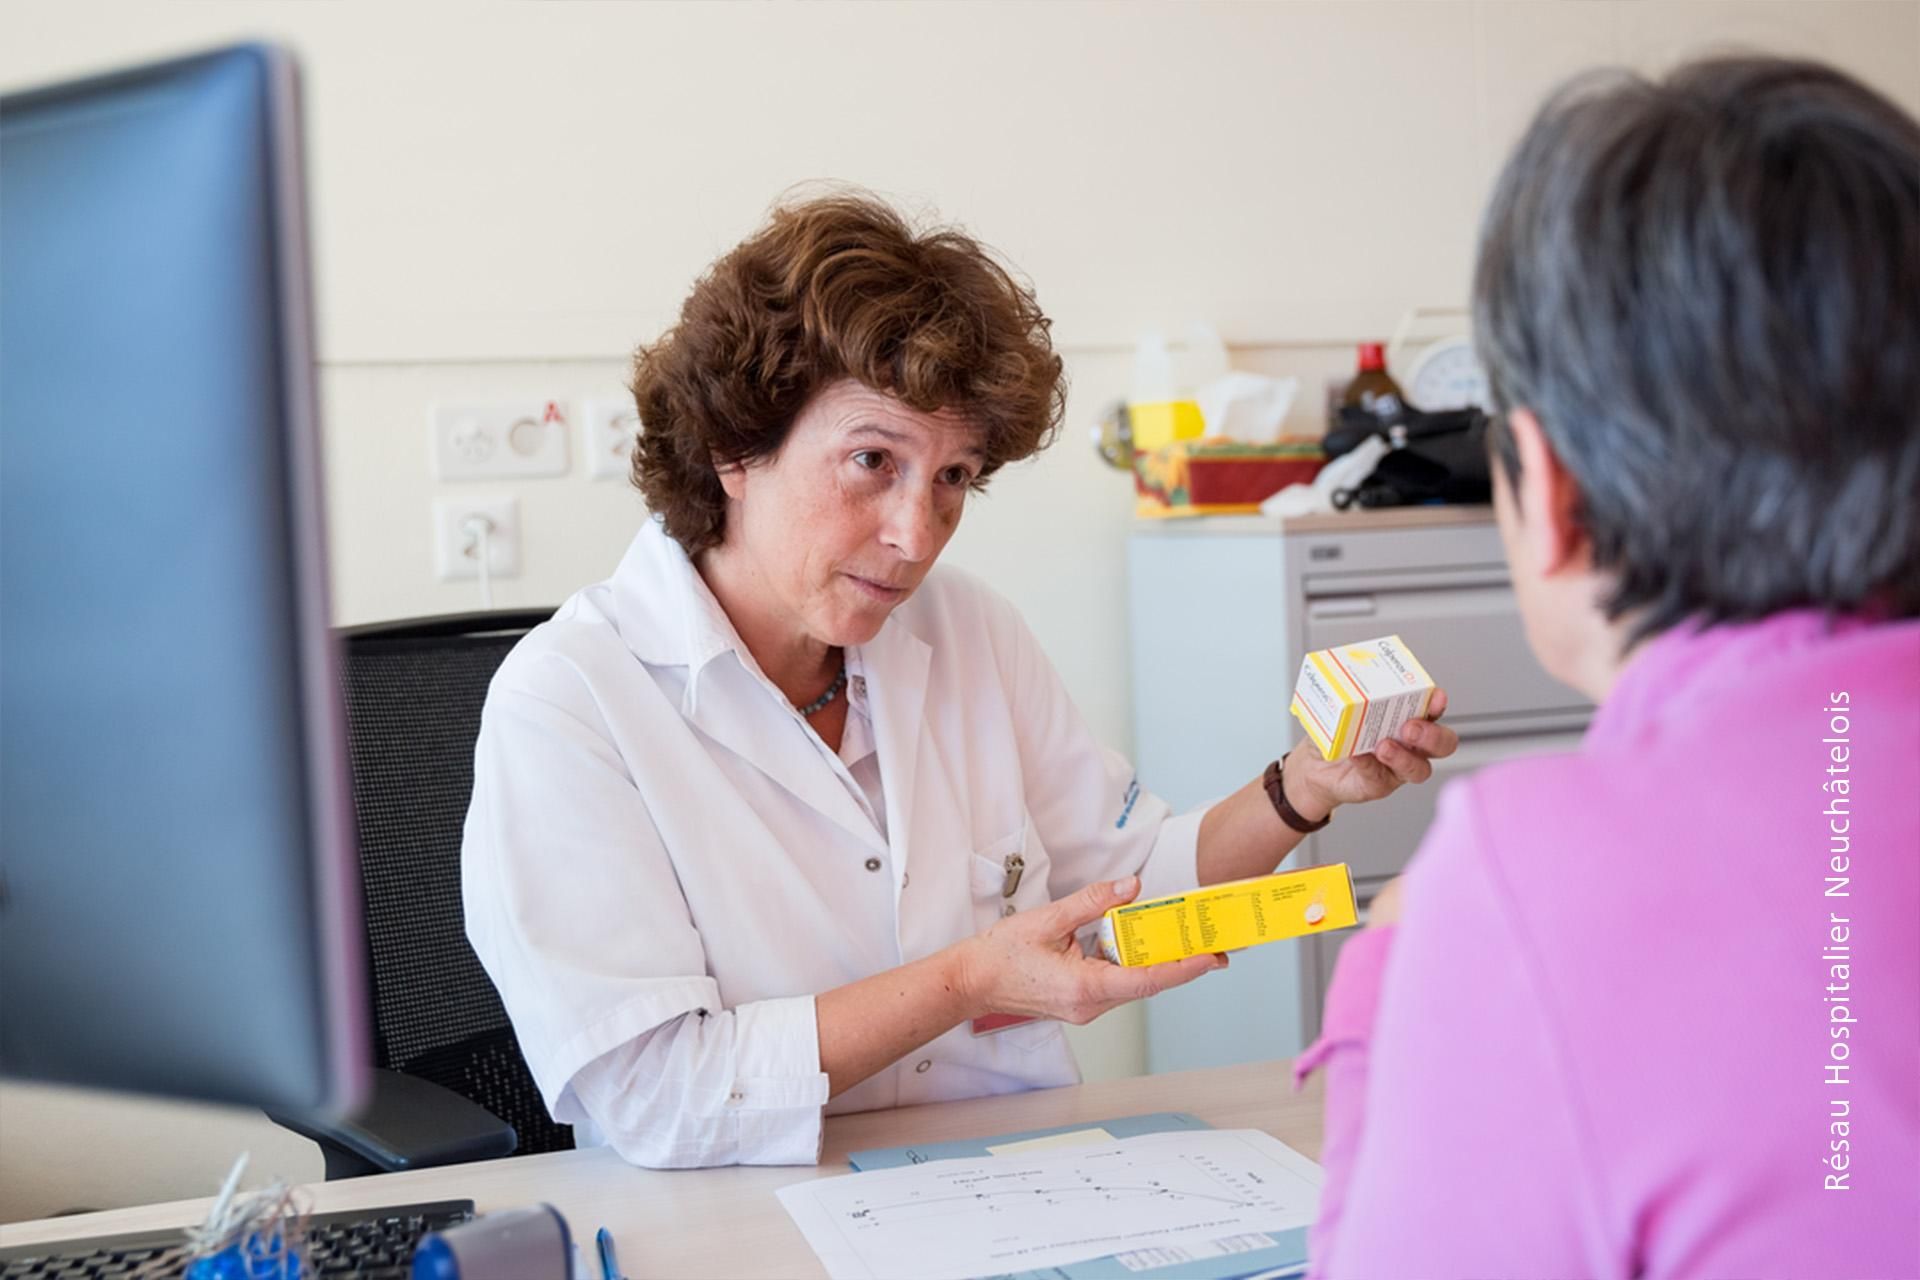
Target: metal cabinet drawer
{"points": [[1362, 551], [1469, 638]]}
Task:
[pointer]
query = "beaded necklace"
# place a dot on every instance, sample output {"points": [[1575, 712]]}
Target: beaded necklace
{"points": [[819, 704]]}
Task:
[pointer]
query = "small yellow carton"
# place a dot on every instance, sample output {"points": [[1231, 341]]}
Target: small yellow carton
{"points": [[1352, 697], [1227, 917], [1162, 422]]}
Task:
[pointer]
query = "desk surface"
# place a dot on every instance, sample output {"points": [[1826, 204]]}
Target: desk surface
{"points": [[727, 1222]]}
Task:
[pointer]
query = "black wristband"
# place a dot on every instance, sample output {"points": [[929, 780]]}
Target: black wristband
{"points": [[1277, 793]]}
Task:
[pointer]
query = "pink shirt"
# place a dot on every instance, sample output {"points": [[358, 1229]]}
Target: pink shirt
{"points": [[1609, 1036]]}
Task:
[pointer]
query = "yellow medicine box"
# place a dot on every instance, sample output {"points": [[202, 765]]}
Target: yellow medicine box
{"points": [[1353, 696], [1226, 917]]}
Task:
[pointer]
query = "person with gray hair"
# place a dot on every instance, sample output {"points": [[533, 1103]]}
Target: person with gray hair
{"points": [[1652, 1007]]}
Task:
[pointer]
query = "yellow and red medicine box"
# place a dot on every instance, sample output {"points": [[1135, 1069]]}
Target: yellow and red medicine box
{"points": [[1353, 696], [1229, 916]]}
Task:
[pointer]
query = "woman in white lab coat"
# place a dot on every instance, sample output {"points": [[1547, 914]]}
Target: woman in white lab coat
{"points": [[776, 820]]}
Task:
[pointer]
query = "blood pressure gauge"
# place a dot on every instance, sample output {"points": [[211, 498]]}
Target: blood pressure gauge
{"points": [[1447, 375]]}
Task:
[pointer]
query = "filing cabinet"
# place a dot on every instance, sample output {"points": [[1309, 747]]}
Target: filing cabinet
{"points": [[1221, 611]]}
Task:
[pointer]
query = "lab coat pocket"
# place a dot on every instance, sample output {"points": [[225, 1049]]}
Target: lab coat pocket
{"points": [[1042, 1035], [1009, 875]]}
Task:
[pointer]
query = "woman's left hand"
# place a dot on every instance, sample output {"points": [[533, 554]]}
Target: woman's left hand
{"points": [[1406, 757]]}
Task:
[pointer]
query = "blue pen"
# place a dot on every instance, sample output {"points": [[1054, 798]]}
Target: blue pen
{"points": [[609, 1265]]}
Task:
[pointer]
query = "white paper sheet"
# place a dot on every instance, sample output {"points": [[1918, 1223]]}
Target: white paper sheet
{"points": [[951, 1219]]}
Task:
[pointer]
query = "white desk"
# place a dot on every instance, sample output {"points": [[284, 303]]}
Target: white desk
{"points": [[727, 1222]]}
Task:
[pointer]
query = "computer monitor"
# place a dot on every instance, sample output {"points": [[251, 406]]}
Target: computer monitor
{"points": [[178, 896]]}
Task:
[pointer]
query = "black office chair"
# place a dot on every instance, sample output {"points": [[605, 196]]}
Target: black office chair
{"points": [[451, 1085]]}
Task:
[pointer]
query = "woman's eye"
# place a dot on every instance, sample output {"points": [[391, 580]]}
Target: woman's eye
{"points": [[959, 477], [871, 459]]}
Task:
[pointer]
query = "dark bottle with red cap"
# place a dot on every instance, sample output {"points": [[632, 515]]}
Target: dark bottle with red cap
{"points": [[1373, 390]]}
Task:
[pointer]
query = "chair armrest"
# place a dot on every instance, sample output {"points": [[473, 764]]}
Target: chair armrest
{"points": [[408, 1123]]}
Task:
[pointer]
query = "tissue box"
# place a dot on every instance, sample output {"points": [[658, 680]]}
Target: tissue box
{"points": [[1227, 917], [1348, 698], [1217, 476]]}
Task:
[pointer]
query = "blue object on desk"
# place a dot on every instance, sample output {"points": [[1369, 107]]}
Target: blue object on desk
{"points": [[967, 1148], [609, 1264], [255, 1258]]}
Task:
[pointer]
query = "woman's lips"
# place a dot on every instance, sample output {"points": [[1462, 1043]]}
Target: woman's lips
{"points": [[878, 591]]}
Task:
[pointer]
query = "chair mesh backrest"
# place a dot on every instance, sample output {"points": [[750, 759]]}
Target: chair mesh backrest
{"points": [[414, 693]]}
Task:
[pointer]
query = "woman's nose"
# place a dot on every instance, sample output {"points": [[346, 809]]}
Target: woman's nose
{"points": [[911, 526]]}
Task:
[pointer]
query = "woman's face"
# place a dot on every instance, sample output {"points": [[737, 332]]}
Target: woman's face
{"points": [[841, 525]]}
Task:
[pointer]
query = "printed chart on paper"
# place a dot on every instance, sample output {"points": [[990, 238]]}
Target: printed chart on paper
{"points": [[1191, 1192]]}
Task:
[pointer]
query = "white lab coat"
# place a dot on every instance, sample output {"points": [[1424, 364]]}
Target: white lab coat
{"points": [[655, 831]]}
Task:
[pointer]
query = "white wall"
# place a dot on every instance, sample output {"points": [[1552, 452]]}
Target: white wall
{"points": [[507, 197]]}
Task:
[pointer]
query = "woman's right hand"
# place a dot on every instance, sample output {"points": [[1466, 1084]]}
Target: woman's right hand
{"points": [[1029, 963]]}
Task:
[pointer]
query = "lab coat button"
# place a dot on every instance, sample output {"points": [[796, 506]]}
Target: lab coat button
{"points": [[735, 1098], [1008, 910], [873, 864], [922, 1065]]}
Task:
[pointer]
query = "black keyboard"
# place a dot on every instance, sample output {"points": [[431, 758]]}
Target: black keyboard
{"points": [[364, 1244]]}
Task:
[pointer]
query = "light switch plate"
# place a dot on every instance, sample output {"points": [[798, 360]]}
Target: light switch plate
{"points": [[508, 439], [611, 427]]}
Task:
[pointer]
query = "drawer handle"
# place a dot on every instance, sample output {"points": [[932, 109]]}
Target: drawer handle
{"points": [[1344, 607]]}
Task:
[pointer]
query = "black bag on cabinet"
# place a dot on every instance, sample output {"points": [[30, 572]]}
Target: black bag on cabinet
{"points": [[1436, 457]]}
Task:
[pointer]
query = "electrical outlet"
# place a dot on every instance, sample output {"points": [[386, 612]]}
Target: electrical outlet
{"points": [[508, 439], [611, 426], [456, 548]]}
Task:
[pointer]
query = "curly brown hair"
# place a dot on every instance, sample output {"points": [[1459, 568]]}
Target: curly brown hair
{"points": [[834, 287]]}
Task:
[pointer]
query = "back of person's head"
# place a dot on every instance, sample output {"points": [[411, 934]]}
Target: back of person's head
{"points": [[1707, 290]]}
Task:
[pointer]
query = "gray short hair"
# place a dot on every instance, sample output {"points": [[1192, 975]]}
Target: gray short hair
{"points": [[1707, 288]]}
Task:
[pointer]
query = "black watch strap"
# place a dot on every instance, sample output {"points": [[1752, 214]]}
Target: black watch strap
{"points": [[1288, 814]]}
